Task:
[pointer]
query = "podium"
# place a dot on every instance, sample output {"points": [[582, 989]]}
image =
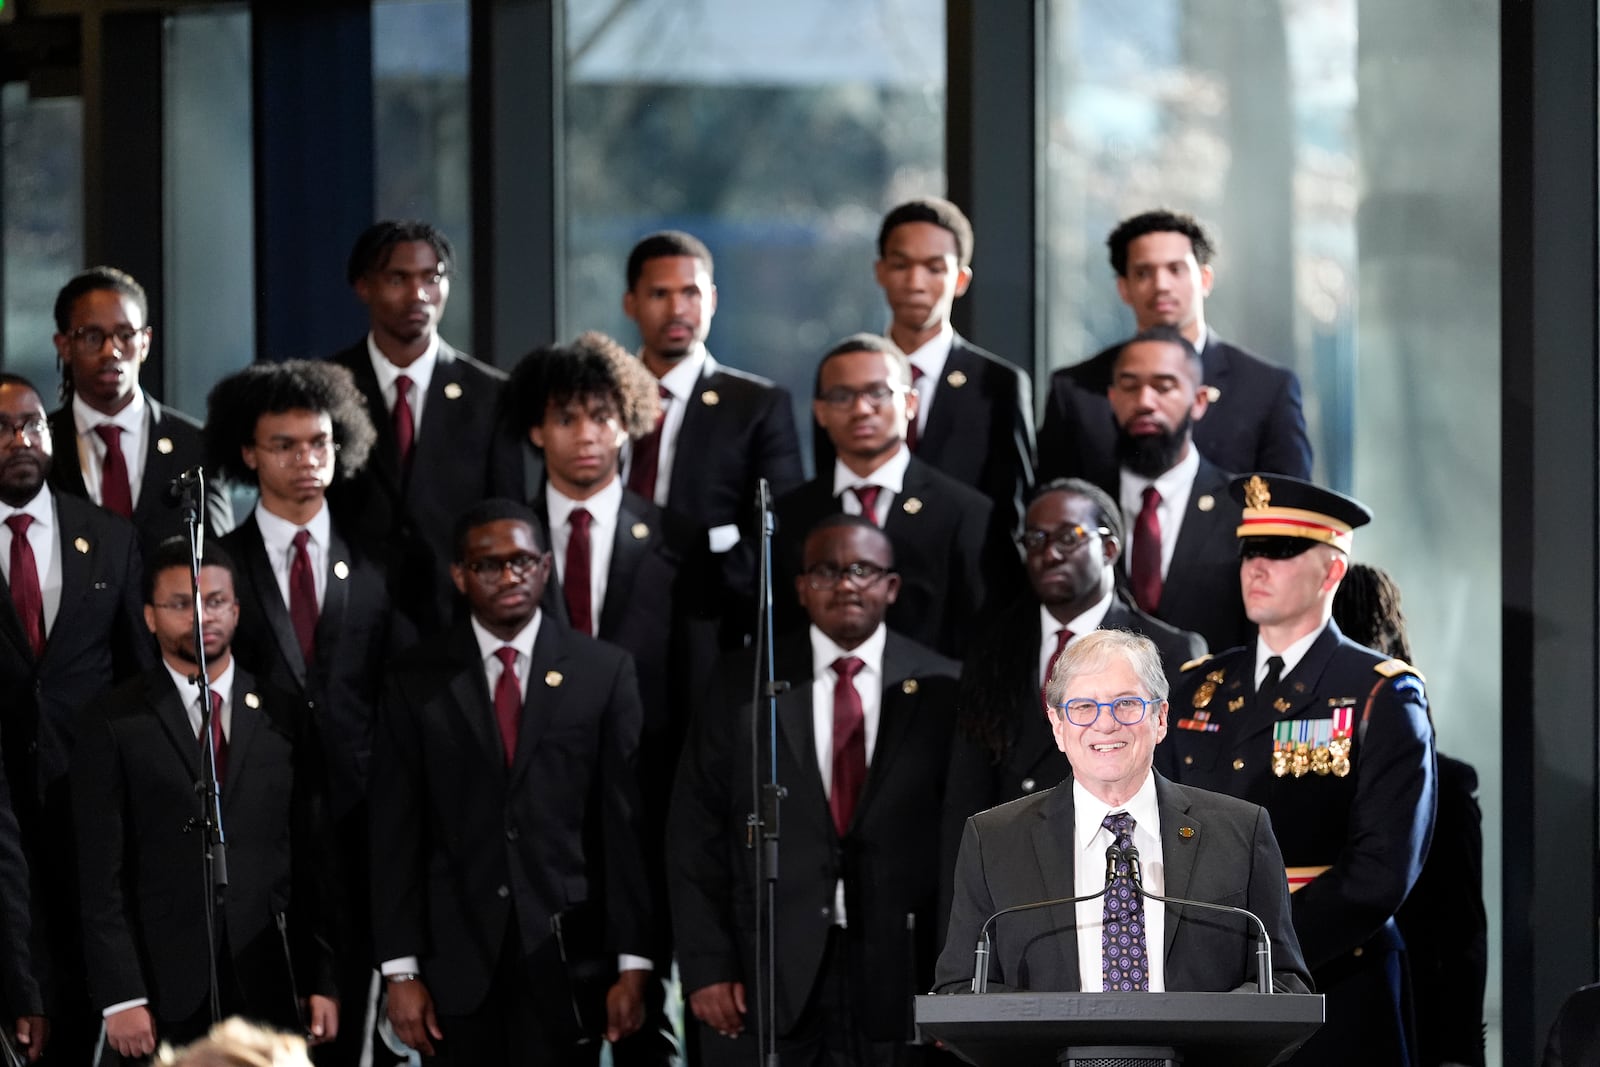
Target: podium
{"points": [[1204, 1029]]}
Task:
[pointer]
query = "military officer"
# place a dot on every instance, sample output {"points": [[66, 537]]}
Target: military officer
{"points": [[1334, 740]]}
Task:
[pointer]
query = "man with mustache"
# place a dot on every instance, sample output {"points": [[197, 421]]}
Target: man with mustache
{"points": [[71, 626]]}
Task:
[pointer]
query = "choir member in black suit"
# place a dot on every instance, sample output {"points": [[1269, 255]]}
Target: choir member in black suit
{"points": [[975, 410], [21, 1002], [314, 609], [135, 804], [129, 447], [510, 907], [1163, 266], [443, 443]]}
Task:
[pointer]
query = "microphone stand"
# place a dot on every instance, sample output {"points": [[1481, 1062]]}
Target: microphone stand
{"points": [[1263, 942], [980, 957], [761, 825], [191, 494]]}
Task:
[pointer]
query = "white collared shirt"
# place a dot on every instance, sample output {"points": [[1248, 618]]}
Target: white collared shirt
{"points": [[277, 537], [193, 698], [1175, 486], [1291, 656], [43, 536], [1090, 839], [680, 381], [92, 448], [603, 508], [1085, 622], [930, 359], [889, 477], [420, 372]]}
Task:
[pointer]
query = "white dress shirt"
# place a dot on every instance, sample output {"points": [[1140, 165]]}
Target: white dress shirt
{"points": [[930, 360], [420, 372], [1174, 486], [603, 508], [868, 684], [1086, 622], [277, 536], [890, 479], [1291, 656], [92, 448], [1090, 839], [43, 536]]}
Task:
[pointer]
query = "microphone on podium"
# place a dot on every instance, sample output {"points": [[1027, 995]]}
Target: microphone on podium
{"points": [[1263, 942], [980, 969]]}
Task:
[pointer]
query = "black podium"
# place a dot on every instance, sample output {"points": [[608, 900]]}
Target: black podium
{"points": [[1204, 1029]]}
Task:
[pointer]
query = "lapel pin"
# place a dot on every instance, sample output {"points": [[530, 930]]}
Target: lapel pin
{"points": [[1299, 687], [710, 398], [251, 700], [1186, 832], [640, 531], [452, 391], [82, 545], [1281, 704], [909, 687], [552, 678], [911, 506], [955, 379], [1236, 703], [341, 570], [164, 445], [1206, 502], [1213, 394]]}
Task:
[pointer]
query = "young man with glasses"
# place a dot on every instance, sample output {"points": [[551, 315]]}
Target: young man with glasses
{"points": [[950, 555], [511, 910], [127, 447], [137, 808], [864, 721], [1108, 710], [314, 609]]}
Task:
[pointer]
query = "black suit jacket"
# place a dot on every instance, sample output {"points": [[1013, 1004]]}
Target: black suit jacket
{"points": [[946, 551], [1255, 424], [1023, 852], [133, 785], [19, 985], [174, 445], [888, 859], [979, 431], [466, 852], [464, 451]]}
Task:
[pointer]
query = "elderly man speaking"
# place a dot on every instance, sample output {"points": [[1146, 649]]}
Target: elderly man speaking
{"points": [[1108, 710]]}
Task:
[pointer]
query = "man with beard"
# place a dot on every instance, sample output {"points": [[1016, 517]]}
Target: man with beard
{"points": [[70, 626], [1182, 552], [136, 807]]}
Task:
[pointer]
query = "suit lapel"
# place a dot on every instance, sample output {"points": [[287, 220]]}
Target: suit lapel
{"points": [[163, 698], [628, 553], [1298, 689], [542, 696], [469, 688], [436, 438], [335, 598], [948, 416], [695, 434], [1200, 519], [245, 723], [67, 476], [1215, 365], [159, 467], [795, 722], [1177, 853], [79, 542], [259, 570], [384, 461], [1052, 849], [1035, 742], [905, 510], [897, 709]]}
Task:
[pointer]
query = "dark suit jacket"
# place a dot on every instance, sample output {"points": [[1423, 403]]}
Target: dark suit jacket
{"points": [[888, 859], [945, 550], [1256, 424], [1201, 592], [174, 445], [133, 785], [1023, 852], [464, 451], [979, 432], [463, 848], [19, 985]]}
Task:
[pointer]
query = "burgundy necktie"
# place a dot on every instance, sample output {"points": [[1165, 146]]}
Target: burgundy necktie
{"points": [[1063, 635], [1124, 963], [508, 701], [25, 583], [303, 597], [405, 429], [911, 424], [115, 494], [1147, 553], [575, 583], [219, 740], [647, 453], [849, 744], [868, 496]]}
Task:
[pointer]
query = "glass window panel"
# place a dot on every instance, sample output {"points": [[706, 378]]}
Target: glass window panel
{"points": [[1345, 155], [778, 134]]}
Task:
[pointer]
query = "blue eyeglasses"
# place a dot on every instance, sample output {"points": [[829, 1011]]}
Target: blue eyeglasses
{"points": [[1081, 711]]}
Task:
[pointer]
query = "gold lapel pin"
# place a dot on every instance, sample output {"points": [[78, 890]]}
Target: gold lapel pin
{"points": [[640, 531], [251, 700], [955, 379], [452, 391], [341, 570], [1236, 703], [1281, 704], [710, 398], [164, 445], [911, 506], [1206, 502], [1213, 394], [909, 687], [552, 678], [82, 545], [1186, 832], [1299, 687]]}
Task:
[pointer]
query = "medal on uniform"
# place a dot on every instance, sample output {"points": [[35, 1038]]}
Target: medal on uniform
{"points": [[1203, 695], [1236, 703], [1282, 747], [1339, 741], [1300, 762]]}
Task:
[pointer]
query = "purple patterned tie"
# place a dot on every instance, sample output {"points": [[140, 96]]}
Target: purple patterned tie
{"points": [[1123, 965]]}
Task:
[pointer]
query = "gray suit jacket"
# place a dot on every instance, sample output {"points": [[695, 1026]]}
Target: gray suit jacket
{"points": [[1022, 852]]}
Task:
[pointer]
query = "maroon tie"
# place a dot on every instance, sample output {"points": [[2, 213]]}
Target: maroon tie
{"points": [[405, 430], [576, 581], [115, 494], [868, 496], [849, 744], [1147, 553], [911, 424], [25, 584], [1063, 635], [647, 453], [219, 740], [303, 597], [508, 702]]}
